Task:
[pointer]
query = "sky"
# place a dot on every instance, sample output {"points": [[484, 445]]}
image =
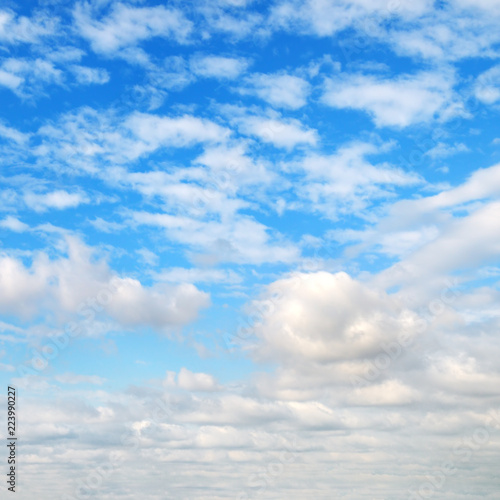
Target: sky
{"points": [[250, 250]]}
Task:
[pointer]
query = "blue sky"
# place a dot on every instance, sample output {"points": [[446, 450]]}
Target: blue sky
{"points": [[281, 219]]}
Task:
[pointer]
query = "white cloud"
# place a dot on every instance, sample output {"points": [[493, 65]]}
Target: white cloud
{"points": [[232, 168], [389, 392], [87, 139], [21, 29], [197, 275], [463, 30], [464, 375], [492, 7], [483, 183], [191, 381], [126, 26], [106, 226], [26, 77], [59, 199], [324, 18], [160, 306], [279, 90], [48, 287], [154, 131], [10, 80], [463, 243], [14, 224], [226, 17], [172, 74], [87, 76], [321, 318], [237, 239], [148, 257], [13, 134], [218, 67], [399, 102], [73, 378], [213, 197], [443, 150], [282, 133], [487, 86], [347, 182], [412, 224]]}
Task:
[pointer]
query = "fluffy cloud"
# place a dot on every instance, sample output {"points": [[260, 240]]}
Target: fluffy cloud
{"points": [[463, 243], [491, 7], [73, 378], [59, 199], [411, 224], [443, 150], [324, 318], [323, 18], [13, 134], [218, 67], [237, 239], [86, 76], [48, 286], [304, 411], [27, 77], [154, 131], [126, 26], [21, 29], [9, 80], [487, 88], [282, 133], [86, 138], [279, 90], [190, 381], [347, 181], [399, 102], [14, 224], [194, 275]]}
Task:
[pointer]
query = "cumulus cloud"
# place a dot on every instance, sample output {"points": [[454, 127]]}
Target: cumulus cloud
{"points": [[487, 87], [86, 76], [399, 102], [73, 378], [191, 381], [323, 18], [197, 275], [59, 199], [238, 239], [219, 67], [282, 133], [10, 80], [491, 7], [348, 181], [21, 29], [78, 139], [443, 150], [324, 318], [14, 224], [126, 26], [13, 134], [154, 131], [28, 77], [279, 90], [48, 286], [463, 243], [411, 224]]}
